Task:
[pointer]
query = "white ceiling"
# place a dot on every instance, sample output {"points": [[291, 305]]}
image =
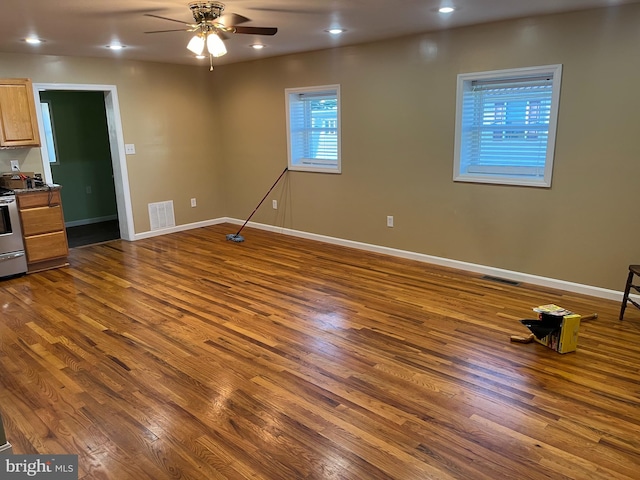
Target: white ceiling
{"points": [[84, 27]]}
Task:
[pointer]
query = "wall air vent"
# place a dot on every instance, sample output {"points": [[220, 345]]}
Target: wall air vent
{"points": [[161, 215]]}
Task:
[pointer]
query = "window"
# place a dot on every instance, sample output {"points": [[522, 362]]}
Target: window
{"points": [[313, 128], [506, 126], [50, 142]]}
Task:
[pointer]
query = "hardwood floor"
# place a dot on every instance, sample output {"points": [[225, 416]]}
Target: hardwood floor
{"points": [[189, 356], [93, 233]]}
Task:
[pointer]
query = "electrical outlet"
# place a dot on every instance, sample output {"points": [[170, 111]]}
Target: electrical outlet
{"points": [[275, 204], [129, 148], [15, 166], [390, 221], [193, 202]]}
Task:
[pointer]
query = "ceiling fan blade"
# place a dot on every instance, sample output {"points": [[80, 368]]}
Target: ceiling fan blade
{"points": [[289, 10], [163, 31], [165, 18], [232, 19], [115, 13], [256, 30]]}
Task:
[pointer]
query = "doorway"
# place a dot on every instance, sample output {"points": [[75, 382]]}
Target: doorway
{"points": [[84, 152], [77, 139]]}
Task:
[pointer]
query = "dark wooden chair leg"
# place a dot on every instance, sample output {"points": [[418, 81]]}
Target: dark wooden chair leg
{"points": [[625, 298]]}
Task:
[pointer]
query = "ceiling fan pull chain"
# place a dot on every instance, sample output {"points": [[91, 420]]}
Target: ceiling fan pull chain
{"points": [[210, 63]]}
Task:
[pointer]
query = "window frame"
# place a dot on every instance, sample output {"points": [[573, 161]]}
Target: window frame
{"points": [[51, 142], [510, 175], [313, 165]]}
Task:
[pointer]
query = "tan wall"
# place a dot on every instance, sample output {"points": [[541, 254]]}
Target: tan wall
{"points": [[398, 101], [167, 112]]}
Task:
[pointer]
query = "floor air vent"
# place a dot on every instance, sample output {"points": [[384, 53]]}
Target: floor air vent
{"points": [[501, 280]]}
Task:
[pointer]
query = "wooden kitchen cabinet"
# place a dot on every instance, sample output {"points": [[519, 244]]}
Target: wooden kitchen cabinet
{"points": [[45, 237], [18, 120]]}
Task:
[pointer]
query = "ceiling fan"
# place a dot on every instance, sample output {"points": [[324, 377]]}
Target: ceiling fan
{"points": [[211, 27]]}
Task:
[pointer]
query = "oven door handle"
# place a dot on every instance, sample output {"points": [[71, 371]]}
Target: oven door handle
{"points": [[11, 256]]}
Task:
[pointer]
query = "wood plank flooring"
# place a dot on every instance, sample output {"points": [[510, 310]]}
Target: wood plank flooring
{"points": [[91, 233], [190, 357]]}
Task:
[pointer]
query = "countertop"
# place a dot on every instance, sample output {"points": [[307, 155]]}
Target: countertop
{"points": [[46, 188]]}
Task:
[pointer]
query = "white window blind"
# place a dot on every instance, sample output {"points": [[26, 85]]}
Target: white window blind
{"points": [[506, 126], [313, 129]]}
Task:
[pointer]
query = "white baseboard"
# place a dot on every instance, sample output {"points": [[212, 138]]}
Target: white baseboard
{"points": [[89, 221], [420, 257], [6, 449], [179, 228], [446, 262]]}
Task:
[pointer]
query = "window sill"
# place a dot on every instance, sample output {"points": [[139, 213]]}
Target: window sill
{"points": [[503, 181], [316, 169]]}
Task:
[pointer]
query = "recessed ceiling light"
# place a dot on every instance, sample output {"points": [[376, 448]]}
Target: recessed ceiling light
{"points": [[33, 40], [336, 31], [258, 46], [115, 46], [446, 9]]}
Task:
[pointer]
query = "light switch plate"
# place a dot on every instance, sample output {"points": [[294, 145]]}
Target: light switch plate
{"points": [[129, 149]]}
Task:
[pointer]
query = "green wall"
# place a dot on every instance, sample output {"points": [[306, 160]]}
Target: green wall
{"points": [[84, 157]]}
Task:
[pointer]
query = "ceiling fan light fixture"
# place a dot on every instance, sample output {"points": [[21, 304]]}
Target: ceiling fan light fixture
{"points": [[196, 44], [215, 45], [211, 27]]}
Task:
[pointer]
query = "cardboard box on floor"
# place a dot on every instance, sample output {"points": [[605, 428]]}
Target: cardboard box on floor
{"points": [[565, 339]]}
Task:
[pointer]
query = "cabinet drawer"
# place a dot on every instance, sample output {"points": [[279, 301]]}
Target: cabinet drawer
{"points": [[38, 199], [41, 220], [44, 247]]}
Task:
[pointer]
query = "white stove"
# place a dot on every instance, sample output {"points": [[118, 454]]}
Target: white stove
{"points": [[13, 260]]}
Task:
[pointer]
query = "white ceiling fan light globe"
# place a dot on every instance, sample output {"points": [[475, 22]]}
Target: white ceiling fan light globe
{"points": [[196, 44], [215, 45]]}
